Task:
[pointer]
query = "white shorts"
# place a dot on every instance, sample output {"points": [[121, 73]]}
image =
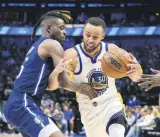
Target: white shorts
{"points": [[48, 129], [96, 114], [97, 131]]}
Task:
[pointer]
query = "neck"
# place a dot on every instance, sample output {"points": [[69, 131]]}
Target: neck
{"points": [[94, 53]]}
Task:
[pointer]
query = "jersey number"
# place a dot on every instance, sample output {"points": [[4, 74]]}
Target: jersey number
{"points": [[22, 67]]}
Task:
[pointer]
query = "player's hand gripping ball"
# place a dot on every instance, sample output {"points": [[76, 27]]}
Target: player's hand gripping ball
{"points": [[114, 63]]}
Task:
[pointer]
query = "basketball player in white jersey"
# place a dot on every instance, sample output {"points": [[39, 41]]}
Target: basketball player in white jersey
{"points": [[104, 114]]}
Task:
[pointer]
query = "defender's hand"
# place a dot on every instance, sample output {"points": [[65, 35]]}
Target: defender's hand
{"points": [[62, 66], [152, 80]]}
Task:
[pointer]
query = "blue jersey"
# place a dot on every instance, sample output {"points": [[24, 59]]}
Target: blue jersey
{"points": [[33, 76]]}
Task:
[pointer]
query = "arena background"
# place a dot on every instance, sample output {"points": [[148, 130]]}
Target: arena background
{"points": [[131, 24]]}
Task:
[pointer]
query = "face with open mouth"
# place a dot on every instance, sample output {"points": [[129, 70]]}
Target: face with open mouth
{"points": [[92, 37], [90, 47]]}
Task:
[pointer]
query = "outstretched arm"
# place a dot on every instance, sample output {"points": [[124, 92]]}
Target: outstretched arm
{"points": [[53, 81], [152, 80], [71, 85]]}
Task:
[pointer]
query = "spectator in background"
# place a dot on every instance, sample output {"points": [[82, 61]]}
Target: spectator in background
{"points": [[117, 18], [69, 116], [60, 120], [5, 53], [137, 112], [147, 122], [14, 49], [82, 18], [10, 62], [55, 113], [132, 130], [130, 118], [69, 43], [102, 16], [156, 114], [133, 101]]}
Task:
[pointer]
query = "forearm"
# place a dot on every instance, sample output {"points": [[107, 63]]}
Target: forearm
{"points": [[53, 82], [137, 75], [72, 85], [67, 83]]}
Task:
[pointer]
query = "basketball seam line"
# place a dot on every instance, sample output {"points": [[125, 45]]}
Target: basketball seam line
{"points": [[119, 59], [113, 68]]}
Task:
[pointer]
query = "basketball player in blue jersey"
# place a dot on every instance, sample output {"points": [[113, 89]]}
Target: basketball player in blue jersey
{"points": [[22, 109], [104, 114]]}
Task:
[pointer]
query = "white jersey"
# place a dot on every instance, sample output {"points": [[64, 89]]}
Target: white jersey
{"points": [[106, 105]]}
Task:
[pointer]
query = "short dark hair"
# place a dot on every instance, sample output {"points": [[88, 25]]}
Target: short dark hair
{"points": [[65, 15], [96, 21]]}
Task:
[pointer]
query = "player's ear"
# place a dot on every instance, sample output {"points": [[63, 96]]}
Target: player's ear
{"points": [[48, 28], [103, 36]]}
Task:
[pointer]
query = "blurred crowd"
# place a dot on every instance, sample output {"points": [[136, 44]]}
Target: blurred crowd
{"points": [[11, 58], [12, 54], [143, 121], [111, 18]]}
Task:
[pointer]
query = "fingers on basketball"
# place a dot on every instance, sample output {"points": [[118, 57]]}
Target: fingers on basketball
{"points": [[114, 63]]}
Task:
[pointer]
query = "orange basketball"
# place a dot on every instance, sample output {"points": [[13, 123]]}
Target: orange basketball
{"points": [[114, 63]]}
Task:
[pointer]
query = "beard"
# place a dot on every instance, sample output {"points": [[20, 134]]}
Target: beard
{"points": [[59, 39]]}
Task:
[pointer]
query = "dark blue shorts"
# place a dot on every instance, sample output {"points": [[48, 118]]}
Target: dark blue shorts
{"points": [[22, 112], [118, 118]]}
